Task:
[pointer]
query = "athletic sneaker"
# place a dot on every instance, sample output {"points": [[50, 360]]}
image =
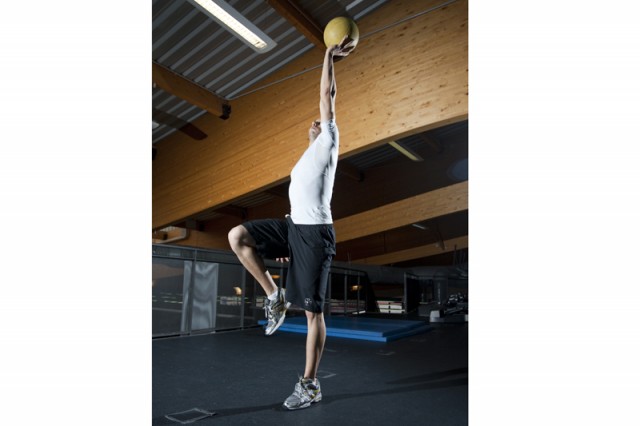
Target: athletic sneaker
{"points": [[275, 311], [306, 392]]}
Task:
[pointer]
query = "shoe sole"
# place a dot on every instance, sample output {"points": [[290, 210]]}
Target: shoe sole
{"points": [[307, 405], [277, 326]]}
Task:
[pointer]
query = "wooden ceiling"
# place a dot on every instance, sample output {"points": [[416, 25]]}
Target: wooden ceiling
{"points": [[404, 83]]}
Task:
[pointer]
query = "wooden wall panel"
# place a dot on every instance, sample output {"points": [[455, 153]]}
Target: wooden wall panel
{"points": [[400, 81]]}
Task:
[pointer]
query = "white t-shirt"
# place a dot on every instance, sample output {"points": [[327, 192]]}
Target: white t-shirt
{"points": [[312, 178]]}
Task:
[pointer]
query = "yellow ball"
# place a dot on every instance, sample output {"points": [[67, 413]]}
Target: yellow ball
{"points": [[339, 27]]}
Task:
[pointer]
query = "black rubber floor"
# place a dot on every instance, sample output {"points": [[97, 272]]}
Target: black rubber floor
{"points": [[244, 377]]}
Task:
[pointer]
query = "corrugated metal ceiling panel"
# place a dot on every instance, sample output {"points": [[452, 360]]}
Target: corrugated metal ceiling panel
{"points": [[199, 49], [325, 11]]}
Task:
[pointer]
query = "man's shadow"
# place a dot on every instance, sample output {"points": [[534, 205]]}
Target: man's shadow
{"points": [[429, 381]]}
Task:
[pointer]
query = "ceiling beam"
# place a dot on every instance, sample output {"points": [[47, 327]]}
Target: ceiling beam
{"points": [[170, 235], [416, 252], [421, 207], [292, 12], [179, 86]]}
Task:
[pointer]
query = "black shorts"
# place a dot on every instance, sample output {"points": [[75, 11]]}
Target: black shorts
{"points": [[310, 249]]}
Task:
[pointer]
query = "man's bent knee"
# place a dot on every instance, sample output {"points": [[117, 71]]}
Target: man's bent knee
{"points": [[236, 236], [239, 236]]}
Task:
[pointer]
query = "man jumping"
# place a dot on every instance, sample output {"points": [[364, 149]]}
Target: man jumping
{"points": [[305, 238]]}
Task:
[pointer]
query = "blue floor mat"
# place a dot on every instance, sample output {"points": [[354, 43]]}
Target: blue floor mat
{"points": [[373, 329]]}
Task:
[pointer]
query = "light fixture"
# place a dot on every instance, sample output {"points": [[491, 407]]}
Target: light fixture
{"points": [[233, 20], [459, 170], [353, 4], [406, 151]]}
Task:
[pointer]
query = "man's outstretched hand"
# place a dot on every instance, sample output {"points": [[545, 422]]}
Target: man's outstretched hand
{"points": [[342, 49]]}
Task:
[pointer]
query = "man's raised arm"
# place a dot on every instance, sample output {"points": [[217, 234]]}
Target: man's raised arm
{"points": [[328, 79]]}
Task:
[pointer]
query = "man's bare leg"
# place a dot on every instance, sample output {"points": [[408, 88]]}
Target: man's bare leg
{"points": [[244, 246], [316, 336], [307, 390]]}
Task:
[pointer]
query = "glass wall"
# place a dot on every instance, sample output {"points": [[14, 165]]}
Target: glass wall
{"points": [[201, 291], [232, 300], [347, 295], [167, 296]]}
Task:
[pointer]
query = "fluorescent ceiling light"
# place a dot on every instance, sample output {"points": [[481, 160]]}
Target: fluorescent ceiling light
{"points": [[406, 151], [353, 4], [233, 20]]}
